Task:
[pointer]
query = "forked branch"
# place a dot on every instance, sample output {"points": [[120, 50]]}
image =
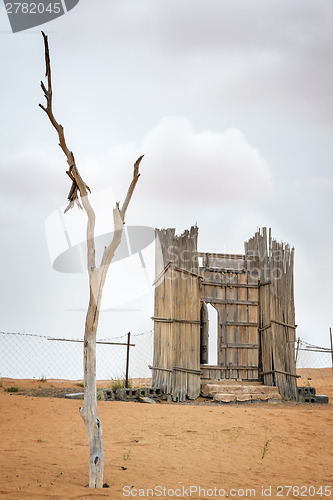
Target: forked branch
{"points": [[78, 185], [119, 221], [73, 173], [131, 188], [77, 182]]}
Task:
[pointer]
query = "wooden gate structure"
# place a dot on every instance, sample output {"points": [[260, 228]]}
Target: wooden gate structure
{"points": [[233, 291], [254, 299]]}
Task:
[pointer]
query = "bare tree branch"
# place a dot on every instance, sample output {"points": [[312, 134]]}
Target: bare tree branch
{"points": [[131, 188], [119, 219], [77, 182]]}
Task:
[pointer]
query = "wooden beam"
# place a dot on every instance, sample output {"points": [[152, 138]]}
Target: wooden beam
{"points": [[159, 368], [282, 372], [236, 367], [213, 300], [230, 285], [187, 370], [283, 324], [222, 255], [174, 320], [236, 346], [239, 323], [172, 266], [226, 270]]}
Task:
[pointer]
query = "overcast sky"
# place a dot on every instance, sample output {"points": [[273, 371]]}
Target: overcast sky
{"points": [[231, 103]]}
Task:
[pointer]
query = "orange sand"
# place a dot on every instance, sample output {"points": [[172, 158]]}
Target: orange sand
{"points": [[45, 454]]}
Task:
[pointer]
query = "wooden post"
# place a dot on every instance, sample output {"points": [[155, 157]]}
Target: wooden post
{"points": [[127, 358], [331, 346]]}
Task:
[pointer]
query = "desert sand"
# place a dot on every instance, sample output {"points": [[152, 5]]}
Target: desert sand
{"points": [[237, 449]]}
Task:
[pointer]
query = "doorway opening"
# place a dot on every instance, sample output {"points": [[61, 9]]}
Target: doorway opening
{"points": [[208, 334], [212, 334]]}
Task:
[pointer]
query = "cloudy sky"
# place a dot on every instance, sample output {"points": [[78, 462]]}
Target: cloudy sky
{"points": [[231, 103]]}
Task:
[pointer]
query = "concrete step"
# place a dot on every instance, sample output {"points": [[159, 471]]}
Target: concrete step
{"points": [[241, 398], [227, 392], [210, 390]]}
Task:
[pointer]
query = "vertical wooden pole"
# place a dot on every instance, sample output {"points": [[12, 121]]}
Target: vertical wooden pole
{"points": [[331, 346], [127, 357]]}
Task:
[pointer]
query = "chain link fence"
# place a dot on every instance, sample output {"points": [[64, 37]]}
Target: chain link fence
{"points": [[35, 356], [31, 356], [312, 356]]}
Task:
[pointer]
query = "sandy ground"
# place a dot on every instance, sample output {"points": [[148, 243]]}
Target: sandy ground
{"points": [[235, 449]]}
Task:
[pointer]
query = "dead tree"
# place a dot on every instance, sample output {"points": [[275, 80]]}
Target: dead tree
{"points": [[78, 194]]}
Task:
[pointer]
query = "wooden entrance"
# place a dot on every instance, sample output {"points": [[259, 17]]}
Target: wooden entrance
{"points": [[253, 295], [232, 290]]}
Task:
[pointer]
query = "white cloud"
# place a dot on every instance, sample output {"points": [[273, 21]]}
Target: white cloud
{"points": [[207, 166], [182, 166]]}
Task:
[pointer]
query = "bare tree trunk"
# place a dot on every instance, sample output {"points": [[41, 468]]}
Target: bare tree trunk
{"points": [[89, 411], [97, 278]]}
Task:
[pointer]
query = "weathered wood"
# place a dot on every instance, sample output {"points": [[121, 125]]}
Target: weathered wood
{"points": [[228, 285], [247, 291], [212, 300], [265, 327], [240, 323], [283, 324], [233, 256], [283, 373], [235, 296], [159, 368], [79, 194], [276, 311], [187, 370], [176, 368], [177, 314], [224, 368], [278, 323], [170, 264], [225, 270], [238, 345], [243, 331], [174, 320]]}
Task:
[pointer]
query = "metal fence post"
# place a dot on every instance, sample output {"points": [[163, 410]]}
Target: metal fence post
{"points": [[127, 357], [331, 347], [297, 349]]}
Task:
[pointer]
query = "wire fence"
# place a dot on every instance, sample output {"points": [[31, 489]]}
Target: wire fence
{"points": [[34, 356], [312, 356], [31, 356]]}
